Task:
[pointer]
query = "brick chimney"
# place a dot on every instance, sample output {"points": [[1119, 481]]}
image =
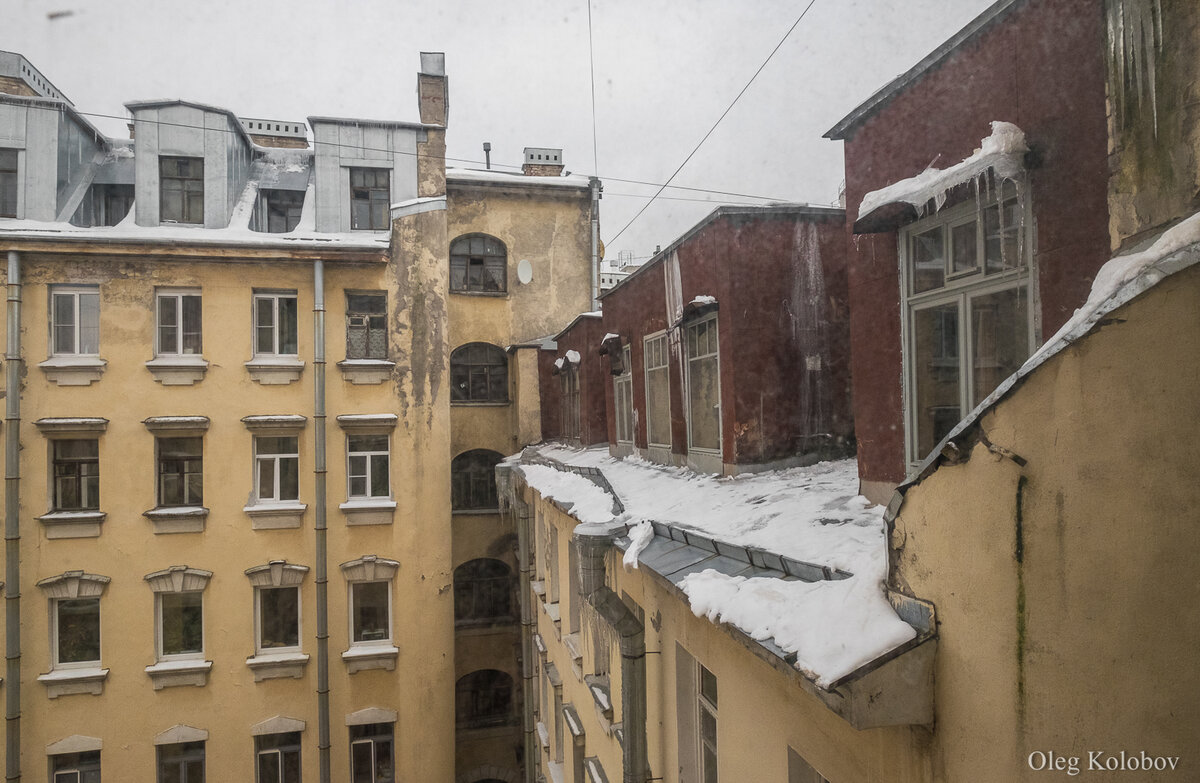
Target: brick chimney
{"points": [[432, 92], [542, 162]]}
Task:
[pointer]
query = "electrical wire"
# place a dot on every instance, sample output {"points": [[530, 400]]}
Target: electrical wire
{"points": [[592, 68]]}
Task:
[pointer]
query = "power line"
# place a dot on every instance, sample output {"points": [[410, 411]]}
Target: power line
{"points": [[718, 122], [592, 68]]}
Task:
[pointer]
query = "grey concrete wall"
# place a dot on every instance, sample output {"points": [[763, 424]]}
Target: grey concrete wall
{"points": [[340, 146]]}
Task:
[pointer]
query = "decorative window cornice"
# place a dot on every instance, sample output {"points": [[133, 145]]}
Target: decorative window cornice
{"points": [[280, 724], [369, 423], [177, 426], [371, 715], [74, 584], [178, 579], [277, 573], [181, 733], [370, 568], [270, 425], [71, 427]]}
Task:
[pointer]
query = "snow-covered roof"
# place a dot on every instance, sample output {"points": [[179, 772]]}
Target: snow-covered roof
{"points": [[576, 320], [514, 178], [809, 516], [1119, 281], [128, 231]]}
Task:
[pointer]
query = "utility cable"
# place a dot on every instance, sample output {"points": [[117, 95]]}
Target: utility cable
{"points": [[592, 68]]}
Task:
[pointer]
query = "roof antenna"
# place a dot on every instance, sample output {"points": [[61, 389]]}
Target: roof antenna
{"points": [[487, 154]]}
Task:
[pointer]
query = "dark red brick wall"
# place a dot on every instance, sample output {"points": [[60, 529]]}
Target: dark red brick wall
{"points": [[551, 396], [1042, 68], [584, 337]]}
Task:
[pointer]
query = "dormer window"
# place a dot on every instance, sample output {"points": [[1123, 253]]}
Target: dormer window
{"points": [[279, 210], [181, 184], [8, 183], [369, 199]]}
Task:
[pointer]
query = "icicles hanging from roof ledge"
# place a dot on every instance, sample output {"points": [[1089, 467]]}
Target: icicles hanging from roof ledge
{"points": [[1135, 37]]}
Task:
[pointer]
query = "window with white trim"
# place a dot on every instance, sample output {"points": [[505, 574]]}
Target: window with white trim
{"points": [[74, 320], [75, 624], [371, 753], [181, 762], [275, 323], [966, 291], [703, 385], [367, 471], [178, 319], [706, 706], [623, 398], [658, 391], [371, 612], [180, 471], [276, 468], [277, 758], [277, 619], [369, 593], [76, 469], [180, 618], [75, 767]]}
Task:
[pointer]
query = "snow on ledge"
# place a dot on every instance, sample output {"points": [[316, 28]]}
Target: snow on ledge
{"points": [[1003, 151], [573, 357]]}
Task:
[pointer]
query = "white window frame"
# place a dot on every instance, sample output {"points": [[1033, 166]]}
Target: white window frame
{"points": [[278, 750], [178, 294], [370, 456], [272, 299], [259, 649], [624, 382], [158, 630], [75, 292], [665, 367], [54, 636], [371, 740], [275, 459], [688, 359], [77, 772], [391, 626], [960, 289]]}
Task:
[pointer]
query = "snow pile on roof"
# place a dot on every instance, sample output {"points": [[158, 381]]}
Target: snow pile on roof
{"points": [[586, 501], [1003, 152], [609, 336], [703, 299], [641, 535], [573, 357], [128, 231], [813, 514], [514, 178]]}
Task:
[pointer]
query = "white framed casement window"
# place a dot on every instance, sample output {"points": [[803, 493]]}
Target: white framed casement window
{"points": [[275, 323], [180, 471], [178, 321], [277, 758], [368, 460], [369, 582], [703, 385], [74, 604], [74, 320], [371, 613], [276, 468], [181, 762], [75, 465], [371, 758], [623, 398], [655, 358], [277, 620], [969, 315], [706, 723], [83, 767], [179, 627]]}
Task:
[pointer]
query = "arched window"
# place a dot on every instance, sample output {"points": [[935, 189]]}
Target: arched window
{"points": [[483, 698], [478, 373], [482, 592], [478, 263], [473, 480]]}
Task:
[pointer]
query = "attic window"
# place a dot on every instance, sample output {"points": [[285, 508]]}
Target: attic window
{"points": [[181, 188], [369, 199], [8, 183]]}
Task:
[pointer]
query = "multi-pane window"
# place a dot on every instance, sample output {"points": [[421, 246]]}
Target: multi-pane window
{"points": [[367, 466], [473, 480], [181, 186], [371, 754], [482, 592], [369, 199], [111, 203], [277, 617], [181, 762], [968, 322], [568, 380], [658, 392], [370, 612], [180, 472], [8, 183], [76, 468], [276, 468], [76, 629], [483, 698], [706, 705], [180, 624], [478, 263], [623, 396], [703, 385], [366, 325], [179, 323], [74, 320], [279, 210], [75, 767], [275, 324], [478, 373], [277, 758]]}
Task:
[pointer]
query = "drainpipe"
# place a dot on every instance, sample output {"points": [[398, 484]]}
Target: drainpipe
{"points": [[596, 188], [525, 563], [12, 523], [320, 525], [632, 641]]}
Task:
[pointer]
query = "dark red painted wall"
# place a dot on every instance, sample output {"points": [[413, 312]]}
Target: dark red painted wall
{"points": [[550, 394], [1042, 68], [584, 337]]}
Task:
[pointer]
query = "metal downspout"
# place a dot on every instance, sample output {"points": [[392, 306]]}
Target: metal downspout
{"points": [[12, 524], [525, 563], [320, 470], [594, 185]]}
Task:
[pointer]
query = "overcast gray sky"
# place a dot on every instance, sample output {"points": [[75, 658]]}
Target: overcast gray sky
{"points": [[519, 76]]}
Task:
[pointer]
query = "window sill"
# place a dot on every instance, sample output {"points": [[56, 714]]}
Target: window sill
{"points": [[366, 371], [369, 511], [275, 370], [74, 370], [67, 682], [171, 674], [367, 657], [72, 524], [543, 735], [491, 294], [480, 403], [275, 516], [475, 511], [277, 665], [178, 370], [177, 519]]}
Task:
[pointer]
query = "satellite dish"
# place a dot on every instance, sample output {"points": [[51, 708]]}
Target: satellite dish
{"points": [[524, 271]]}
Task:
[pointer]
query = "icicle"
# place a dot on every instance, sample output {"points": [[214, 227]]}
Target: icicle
{"points": [[1135, 34]]}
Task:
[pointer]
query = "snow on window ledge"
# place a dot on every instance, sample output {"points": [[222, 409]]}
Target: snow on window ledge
{"points": [[366, 372], [73, 370], [177, 519], [276, 516], [365, 657], [369, 511], [178, 370], [172, 674], [72, 524], [275, 370], [277, 665], [67, 682]]}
